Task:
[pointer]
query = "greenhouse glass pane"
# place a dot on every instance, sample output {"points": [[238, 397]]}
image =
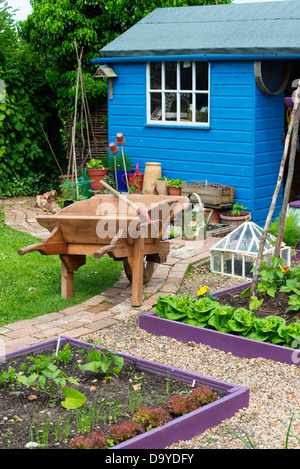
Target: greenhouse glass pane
{"points": [[217, 259], [238, 265], [248, 266], [227, 263]]}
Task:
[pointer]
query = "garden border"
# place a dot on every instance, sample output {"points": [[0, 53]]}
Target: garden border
{"points": [[228, 343], [181, 428]]}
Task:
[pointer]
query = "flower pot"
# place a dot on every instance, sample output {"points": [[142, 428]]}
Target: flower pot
{"points": [[95, 175], [64, 178], [215, 218], [174, 190], [152, 172], [161, 187], [228, 218]]}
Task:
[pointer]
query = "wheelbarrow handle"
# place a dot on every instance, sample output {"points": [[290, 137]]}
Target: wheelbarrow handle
{"points": [[127, 201], [120, 196]]}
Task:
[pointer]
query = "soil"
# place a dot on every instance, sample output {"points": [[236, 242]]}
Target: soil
{"points": [[270, 307], [23, 411]]}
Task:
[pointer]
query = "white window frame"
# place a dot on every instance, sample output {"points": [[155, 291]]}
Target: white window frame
{"points": [[164, 91]]}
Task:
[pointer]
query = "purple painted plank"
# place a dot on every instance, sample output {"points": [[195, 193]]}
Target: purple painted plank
{"points": [[181, 428]]}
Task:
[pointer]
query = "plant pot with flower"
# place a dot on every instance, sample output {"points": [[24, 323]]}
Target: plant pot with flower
{"points": [[96, 171], [236, 216], [174, 186]]}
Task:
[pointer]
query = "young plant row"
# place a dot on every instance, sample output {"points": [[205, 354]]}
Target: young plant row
{"points": [[207, 312], [145, 419], [46, 374]]}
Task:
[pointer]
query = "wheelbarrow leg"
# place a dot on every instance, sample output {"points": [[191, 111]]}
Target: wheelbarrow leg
{"points": [[137, 268], [69, 263]]}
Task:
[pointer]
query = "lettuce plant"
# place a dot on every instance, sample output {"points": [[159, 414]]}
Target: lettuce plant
{"points": [[270, 329], [242, 321], [219, 320], [207, 312]]}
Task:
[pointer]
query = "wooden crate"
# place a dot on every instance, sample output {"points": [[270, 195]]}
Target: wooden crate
{"points": [[213, 194]]}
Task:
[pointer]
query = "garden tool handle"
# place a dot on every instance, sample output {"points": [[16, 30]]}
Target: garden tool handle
{"points": [[120, 196]]}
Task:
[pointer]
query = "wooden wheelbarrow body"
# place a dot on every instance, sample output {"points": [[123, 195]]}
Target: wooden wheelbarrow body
{"points": [[105, 224]]}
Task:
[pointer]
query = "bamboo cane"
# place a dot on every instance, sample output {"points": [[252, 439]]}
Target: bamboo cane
{"points": [[288, 185], [274, 198]]}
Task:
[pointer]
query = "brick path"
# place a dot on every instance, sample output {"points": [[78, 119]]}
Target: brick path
{"points": [[104, 310]]}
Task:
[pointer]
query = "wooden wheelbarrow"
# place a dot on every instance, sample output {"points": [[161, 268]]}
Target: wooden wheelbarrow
{"points": [[127, 229]]}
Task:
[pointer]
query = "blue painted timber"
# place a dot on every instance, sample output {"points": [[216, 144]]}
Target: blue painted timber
{"points": [[242, 147]]}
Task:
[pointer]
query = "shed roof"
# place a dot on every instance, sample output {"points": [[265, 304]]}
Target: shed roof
{"points": [[267, 28]]}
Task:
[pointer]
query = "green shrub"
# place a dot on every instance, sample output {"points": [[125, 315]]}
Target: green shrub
{"points": [[291, 232], [28, 185]]}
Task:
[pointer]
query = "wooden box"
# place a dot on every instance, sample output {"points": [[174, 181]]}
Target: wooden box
{"points": [[213, 194]]}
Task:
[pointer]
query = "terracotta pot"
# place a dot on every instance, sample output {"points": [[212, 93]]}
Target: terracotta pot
{"points": [[215, 218], [228, 218], [174, 190], [95, 175], [161, 187], [64, 178]]}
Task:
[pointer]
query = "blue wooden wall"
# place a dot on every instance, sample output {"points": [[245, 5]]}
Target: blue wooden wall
{"points": [[242, 147]]}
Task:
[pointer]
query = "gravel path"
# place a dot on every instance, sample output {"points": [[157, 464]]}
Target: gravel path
{"points": [[274, 387]]}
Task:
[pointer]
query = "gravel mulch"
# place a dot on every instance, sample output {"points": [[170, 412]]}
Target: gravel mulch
{"points": [[274, 387]]}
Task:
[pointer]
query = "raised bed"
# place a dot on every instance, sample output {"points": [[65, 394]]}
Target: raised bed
{"points": [[228, 343], [181, 428]]}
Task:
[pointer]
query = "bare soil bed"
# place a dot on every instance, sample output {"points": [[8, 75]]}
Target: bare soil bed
{"points": [[270, 307], [26, 415]]}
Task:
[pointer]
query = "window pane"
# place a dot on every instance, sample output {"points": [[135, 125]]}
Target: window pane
{"points": [[227, 263], [171, 75], [186, 105], [186, 75], [201, 76], [155, 106], [217, 261], [155, 76], [171, 106], [201, 108]]}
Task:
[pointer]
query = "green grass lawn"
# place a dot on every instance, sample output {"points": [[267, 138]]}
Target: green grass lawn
{"points": [[30, 284]]}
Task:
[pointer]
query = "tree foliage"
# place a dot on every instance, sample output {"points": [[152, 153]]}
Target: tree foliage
{"points": [[53, 27], [25, 105]]}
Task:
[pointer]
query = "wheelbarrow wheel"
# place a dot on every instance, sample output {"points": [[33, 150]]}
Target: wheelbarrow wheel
{"points": [[148, 270]]}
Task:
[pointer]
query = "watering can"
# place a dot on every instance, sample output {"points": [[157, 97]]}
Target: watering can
{"points": [[135, 179]]}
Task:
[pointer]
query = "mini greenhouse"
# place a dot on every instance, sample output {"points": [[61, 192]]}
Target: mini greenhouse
{"points": [[235, 254]]}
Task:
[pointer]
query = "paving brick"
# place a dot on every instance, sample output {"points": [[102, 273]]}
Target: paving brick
{"points": [[74, 309], [95, 300], [51, 332], [101, 324], [102, 315], [17, 344], [194, 259], [101, 307], [22, 332], [77, 332]]}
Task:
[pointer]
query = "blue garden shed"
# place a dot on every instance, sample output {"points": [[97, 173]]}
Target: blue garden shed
{"points": [[201, 90]]}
